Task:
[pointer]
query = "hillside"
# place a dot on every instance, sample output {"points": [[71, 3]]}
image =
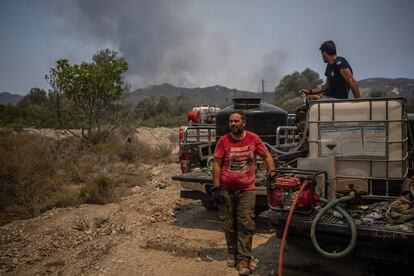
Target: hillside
{"points": [[221, 95], [8, 98], [217, 94], [391, 87]]}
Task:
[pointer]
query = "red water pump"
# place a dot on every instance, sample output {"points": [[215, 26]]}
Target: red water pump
{"points": [[284, 185]]}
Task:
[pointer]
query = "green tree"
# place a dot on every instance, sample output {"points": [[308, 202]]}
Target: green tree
{"points": [[91, 94], [33, 110], [286, 93], [180, 105], [36, 96], [160, 111]]}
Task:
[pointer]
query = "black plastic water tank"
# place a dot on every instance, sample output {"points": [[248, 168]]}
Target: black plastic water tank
{"points": [[262, 118]]}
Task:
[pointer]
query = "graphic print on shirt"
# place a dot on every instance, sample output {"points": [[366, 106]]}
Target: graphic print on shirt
{"points": [[239, 159]]}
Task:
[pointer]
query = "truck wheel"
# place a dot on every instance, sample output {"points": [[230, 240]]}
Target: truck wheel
{"points": [[208, 204]]}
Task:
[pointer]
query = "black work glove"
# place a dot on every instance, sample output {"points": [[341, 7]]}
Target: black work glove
{"points": [[216, 194], [271, 174]]}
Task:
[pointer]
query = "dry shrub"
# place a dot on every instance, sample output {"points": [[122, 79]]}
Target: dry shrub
{"points": [[82, 165], [27, 174], [173, 138], [98, 191], [127, 177], [125, 152], [66, 148], [79, 169], [67, 196], [39, 173], [76, 165], [163, 150], [103, 153], [117, 151], [146, 154], [18, 127], [143, 175], [122, 133], [128, 153], [139, 176]]}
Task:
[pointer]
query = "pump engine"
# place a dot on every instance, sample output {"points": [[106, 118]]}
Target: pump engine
{"points": [[283, 188]]}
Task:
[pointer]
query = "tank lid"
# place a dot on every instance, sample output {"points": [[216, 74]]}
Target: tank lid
{"points": [[246, 103]]}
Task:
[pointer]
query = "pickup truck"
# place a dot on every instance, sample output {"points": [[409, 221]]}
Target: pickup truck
{"points": [[376, 239]]}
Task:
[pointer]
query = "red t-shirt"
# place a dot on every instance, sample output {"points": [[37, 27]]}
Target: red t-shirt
{"points": [[238, 169]]}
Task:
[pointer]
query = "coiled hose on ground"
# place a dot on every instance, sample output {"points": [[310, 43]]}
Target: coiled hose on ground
{"points": [[335, 204]]}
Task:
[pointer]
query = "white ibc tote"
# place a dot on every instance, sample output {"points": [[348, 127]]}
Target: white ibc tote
{"points": [[367, 137]]}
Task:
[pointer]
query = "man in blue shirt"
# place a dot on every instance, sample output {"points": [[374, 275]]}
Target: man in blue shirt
{"points": [[339, 78]]}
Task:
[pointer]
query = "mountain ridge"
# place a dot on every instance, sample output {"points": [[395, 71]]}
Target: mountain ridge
{"points": [[215, 94], [9, 98], [221, 95]]}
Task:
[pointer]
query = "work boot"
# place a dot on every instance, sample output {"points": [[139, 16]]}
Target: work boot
{"points": [[244, 267], [231, 261]]}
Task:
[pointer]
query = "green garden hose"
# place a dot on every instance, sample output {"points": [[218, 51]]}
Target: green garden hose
{"points": [[348, 218], [209, 165]]}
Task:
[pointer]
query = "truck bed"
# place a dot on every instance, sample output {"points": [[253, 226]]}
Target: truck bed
{"points": [[328, 223], [331, 223], [380, 240]]}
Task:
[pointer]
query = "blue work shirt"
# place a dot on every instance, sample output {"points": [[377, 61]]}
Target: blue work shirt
{"points": [[338, 86]]}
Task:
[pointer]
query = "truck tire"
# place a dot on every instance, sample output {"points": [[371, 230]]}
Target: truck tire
{"points": [[209, 205]]}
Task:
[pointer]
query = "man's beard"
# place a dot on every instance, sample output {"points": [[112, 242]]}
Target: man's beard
{"points": [[237, 130]]}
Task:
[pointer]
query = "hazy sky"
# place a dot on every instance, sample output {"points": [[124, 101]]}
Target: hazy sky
{"points": [[204, 42]]}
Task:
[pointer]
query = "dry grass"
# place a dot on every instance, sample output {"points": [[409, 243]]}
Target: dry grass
{"points": [[39, 173], [67, 196], [163, 151], [98, 191], [27, 174], [173, 138]]}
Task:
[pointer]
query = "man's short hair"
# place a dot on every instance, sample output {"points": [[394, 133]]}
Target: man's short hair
{"points": [[328, 47], [241, 113]]}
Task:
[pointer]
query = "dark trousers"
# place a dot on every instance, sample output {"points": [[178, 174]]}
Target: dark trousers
{"points": [[239, 225]]}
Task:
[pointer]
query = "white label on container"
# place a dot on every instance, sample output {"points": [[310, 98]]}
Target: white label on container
{"points": [[374, 141], [341, 141], [351, 141]]}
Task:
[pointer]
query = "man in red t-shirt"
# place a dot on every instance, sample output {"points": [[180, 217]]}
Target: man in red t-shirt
{"points": [[234, 182]]}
